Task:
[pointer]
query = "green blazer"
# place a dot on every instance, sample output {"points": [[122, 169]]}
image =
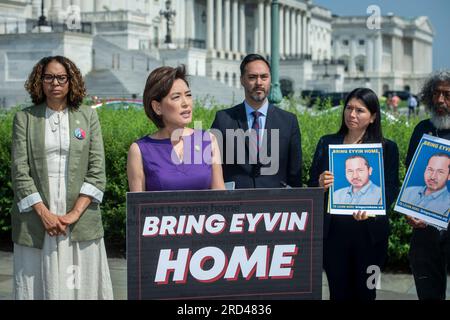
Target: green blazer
{"points": [[30, 175]]}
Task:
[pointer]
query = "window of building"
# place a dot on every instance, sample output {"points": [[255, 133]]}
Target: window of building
{"points": [[362, 42], [345, 42]]}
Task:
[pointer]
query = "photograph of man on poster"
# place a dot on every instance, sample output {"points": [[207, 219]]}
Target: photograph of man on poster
{"points": [[434, 196], [361, 191]]}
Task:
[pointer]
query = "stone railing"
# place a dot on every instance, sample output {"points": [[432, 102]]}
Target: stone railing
{"points": [[29, 25], [113, 16]]}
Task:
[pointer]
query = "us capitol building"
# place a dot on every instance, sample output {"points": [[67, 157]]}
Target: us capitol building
{"points": [[117, 43]]}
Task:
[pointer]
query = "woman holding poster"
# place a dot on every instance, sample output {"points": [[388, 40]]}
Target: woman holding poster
{"points": [[356, 246], [175, 157]]}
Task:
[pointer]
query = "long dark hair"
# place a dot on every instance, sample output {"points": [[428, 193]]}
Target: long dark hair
{"points": [[373, 132]]}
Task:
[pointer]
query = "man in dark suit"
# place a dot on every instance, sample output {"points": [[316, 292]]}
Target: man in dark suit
{"points": [[269, 155]]}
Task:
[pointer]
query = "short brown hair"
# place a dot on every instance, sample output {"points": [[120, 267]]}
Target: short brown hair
{"points": [[77, 89], [158, 86]]}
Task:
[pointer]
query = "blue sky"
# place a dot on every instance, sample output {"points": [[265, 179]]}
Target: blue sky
{"points": [[438, 11]]}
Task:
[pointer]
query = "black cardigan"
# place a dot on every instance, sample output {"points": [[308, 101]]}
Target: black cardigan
{"points": [[378, 226]]}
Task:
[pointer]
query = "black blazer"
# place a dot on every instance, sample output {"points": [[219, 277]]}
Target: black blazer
{"points": [[247, 175], [378, 226]]}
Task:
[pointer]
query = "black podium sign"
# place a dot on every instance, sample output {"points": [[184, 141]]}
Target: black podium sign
{"points": [[237, 244]]}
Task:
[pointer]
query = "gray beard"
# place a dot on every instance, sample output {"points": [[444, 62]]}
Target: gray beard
{"points": [[440, 122]]}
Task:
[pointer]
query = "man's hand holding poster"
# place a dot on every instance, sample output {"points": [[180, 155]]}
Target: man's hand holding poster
{"points": [[358, 179], [425, 191]]}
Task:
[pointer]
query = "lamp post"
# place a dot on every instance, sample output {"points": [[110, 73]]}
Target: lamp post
{"points": [[42, 20], [275, 95], [168, 14]]}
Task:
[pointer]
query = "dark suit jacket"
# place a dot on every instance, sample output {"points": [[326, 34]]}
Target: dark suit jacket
{"points": [[247, 175], [379, 226]]}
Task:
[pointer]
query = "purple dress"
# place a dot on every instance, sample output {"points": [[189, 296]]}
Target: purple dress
{"points": [[163, 169]]}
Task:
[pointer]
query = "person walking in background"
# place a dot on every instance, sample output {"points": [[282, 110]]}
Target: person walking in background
{"points": [[389, 106], [353, 243], [276, 132], [395, 100], [429, 252], [412, 105], [58, 178], [175, 157]]}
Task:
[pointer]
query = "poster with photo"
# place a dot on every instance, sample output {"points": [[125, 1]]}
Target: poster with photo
{"points": [[358, 179], [425, 193]]}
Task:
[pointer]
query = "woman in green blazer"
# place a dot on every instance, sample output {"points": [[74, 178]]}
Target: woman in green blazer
{"points": [[58, 177]]}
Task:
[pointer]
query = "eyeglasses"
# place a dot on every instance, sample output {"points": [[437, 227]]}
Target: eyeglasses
{"points": [[437, 95], [61, 78]]}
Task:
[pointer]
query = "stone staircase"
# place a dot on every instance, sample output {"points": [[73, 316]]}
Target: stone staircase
{"points": [[120, 73]]}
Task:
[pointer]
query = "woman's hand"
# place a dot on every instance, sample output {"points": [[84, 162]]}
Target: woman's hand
{"points": [[326, 179], [51, 223], [415, 223], [78, 209], [360, 216], [69, 218]]}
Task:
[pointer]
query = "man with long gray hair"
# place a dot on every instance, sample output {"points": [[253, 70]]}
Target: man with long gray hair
{"points": [[429, 252]]}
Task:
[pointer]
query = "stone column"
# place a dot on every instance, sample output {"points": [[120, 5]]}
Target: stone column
{"points": [[55, 9], [369, 55], [261, 46], [268, 27], [308, 34], [65, 4], [98, 6], [377, 52], [210, 25], [351, 62], [293, 34], [219, 39], [418, 59], [305, 34], [36, 9], [287, 31], [395, 63], [235, 28], [242, 48], [299, 33], [282, 51], [227, 9], [189, 23], [87, 6]]}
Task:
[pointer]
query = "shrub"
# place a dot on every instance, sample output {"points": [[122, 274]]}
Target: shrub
{"points": [[121, 128]]}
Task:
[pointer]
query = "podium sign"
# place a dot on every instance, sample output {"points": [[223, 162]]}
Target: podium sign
{"points": [[236, 244]]}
